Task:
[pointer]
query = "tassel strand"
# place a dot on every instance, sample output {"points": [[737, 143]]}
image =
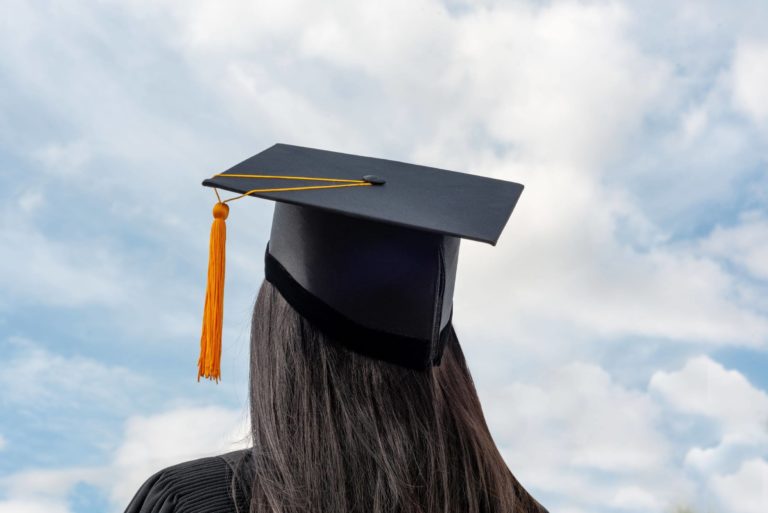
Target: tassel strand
{"points": [[209, 363]]}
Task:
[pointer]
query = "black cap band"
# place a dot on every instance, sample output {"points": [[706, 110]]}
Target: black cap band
{"points": [[405, 351]]}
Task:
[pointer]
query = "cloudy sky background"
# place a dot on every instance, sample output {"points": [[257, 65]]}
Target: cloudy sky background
{"points": [[617, 333]]}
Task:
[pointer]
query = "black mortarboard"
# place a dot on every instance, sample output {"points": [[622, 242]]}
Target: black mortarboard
{"points": [[366, 248]]}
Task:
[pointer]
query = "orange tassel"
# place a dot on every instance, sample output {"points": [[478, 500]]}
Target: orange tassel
{"points": [[209, 364]]}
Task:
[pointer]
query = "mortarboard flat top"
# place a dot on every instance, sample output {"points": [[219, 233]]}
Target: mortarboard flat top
{"points": [[424, 198]]}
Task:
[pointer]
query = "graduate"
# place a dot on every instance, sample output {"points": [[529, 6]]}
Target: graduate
{"points": [[360, 397]]}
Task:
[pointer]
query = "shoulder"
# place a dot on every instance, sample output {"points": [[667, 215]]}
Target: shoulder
{"points": [[212, 485]]}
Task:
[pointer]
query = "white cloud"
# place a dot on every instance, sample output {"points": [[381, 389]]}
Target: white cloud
{"points": [[704, 387], [547, 79], [738, 410], [729, 451], [3, 442], [33, 506], [524, 75], [750, 79], [58, 273], [36, 377], [634, 498], [31, 200], [149, 444], [156, 441], [560, 434], [98, 273], [65, 159], [571, 277], [52, 485], [694, 123], [746, 491], [744, 244]]}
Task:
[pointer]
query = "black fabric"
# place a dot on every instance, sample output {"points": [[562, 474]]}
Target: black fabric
{"points": [[219, 484], [391, 284], [425, 198], [405, 351]]}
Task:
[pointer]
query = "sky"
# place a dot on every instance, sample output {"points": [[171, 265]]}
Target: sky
{"points": [[618, 332]]}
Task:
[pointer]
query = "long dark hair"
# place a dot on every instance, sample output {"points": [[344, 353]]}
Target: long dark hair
{"points": [[337, 432]]}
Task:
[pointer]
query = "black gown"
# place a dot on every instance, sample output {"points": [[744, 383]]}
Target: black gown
{"points": [[218, 484]]}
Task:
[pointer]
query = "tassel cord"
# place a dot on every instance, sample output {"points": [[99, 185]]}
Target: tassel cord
{"points": [[209, 362]]}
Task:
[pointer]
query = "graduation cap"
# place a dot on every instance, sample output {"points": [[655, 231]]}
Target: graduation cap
{"points": [[364, 248]]}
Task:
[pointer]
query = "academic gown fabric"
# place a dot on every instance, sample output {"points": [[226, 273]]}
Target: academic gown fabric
{"points": [[218, 484]]}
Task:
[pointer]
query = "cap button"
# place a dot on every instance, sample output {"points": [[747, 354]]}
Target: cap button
{"points": [[374, 180]]}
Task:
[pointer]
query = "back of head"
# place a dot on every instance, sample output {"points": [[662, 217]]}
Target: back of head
{"points": [[335, 431]]}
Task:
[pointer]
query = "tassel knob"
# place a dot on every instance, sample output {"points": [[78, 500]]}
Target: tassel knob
{"points": [[209, 363], [221, 211]]}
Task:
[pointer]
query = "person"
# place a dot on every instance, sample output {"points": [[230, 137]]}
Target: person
{"points": [[360, 396]]}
